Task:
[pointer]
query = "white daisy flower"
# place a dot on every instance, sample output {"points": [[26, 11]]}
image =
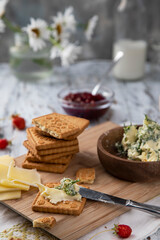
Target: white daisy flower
{"points": [[63, 24], [55, 52], [69, 54], [69, 18], [90, 27], [3, 4], [2, 26], [37, 32], [122, 5]]}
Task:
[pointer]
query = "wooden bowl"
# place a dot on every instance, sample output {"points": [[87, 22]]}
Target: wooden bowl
{"points": [[120, 167]]}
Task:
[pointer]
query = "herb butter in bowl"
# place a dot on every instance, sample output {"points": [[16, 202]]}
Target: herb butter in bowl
{"points": [[132, 153]]}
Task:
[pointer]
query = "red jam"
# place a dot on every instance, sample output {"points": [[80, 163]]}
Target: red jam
{"points": [[83, 97], [85, 105]]}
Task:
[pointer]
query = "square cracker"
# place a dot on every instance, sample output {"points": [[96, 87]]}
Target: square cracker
{"points": [[45, 222], [41, 142], [60, 126], [54, 150], [45, 167], [86, 175], [72, 137], [56, 125], [41, 204], [48, 156], [62, 160]]}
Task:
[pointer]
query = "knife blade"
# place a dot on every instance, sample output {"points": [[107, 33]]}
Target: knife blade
{"points": [[106, 198]]}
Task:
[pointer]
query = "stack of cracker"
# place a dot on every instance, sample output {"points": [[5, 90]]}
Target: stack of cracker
{"points": [[52, 142]]}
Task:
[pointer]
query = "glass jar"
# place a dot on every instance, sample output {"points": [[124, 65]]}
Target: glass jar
{"points": [[27, 64], [154, 36], [130, 32]]}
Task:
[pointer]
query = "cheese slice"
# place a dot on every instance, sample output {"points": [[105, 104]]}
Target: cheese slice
{"points": [[4, 165], [3, 176], [6, 159], [55, 195], [7, 189], [20, 175], [10, 195], [3, 171], [11, 184]]}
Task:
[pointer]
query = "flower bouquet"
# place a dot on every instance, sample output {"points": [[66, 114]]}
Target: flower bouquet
{"points": [[37, 44]]}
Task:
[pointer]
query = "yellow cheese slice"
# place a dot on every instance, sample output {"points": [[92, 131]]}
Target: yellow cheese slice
{"points": [[7, 189], [4, 165], [10, 195], [3, 171], [20, 175], [6, 159], [10, 184], [3, 177]]}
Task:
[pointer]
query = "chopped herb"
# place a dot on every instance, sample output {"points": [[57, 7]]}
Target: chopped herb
{"points": [[138, 150], [148, 119], [67, 185], [148, 155], [127, 128], [120, 149]]}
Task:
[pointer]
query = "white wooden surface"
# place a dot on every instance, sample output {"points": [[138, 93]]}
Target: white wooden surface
{"points": [[32, 99]]}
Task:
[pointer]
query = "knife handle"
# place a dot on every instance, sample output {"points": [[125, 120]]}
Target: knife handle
{"points": [[154, 210]]}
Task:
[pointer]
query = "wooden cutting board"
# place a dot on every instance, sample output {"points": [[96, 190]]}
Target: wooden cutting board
{"points": [[94, 213]]}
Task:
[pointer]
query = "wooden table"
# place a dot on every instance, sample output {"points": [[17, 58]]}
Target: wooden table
{"points": [[32, 99]]}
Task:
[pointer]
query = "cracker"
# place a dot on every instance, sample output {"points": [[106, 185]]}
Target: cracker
{"points": [[42, 132], [60, 126], [41, 204], [48, 156], [81, 123], [72, 137], [54, 150], [63, 160], [56, 125], [86, 175], [41, 142], [45, 222], [45, 167]]}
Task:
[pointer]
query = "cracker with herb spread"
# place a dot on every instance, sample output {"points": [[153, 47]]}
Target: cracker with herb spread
{"points": [[63, 198]]}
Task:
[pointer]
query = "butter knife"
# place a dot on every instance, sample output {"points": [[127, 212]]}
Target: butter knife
{"points": [[105, 198]]}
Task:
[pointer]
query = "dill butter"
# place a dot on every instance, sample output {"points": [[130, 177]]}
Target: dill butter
{"points": [[141, 143]]}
